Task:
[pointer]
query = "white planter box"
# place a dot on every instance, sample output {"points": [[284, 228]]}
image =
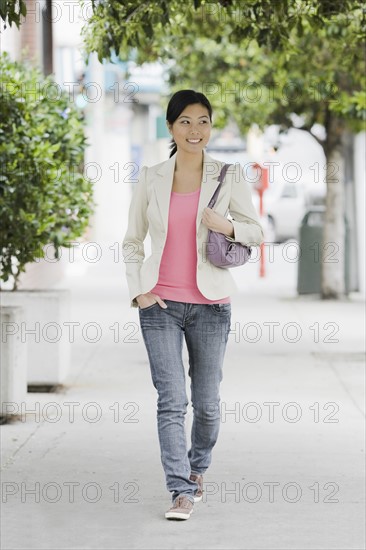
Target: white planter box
{"points": [[42, 327], [13, 362]]}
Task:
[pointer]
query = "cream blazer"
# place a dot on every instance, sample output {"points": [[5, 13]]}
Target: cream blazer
{"points": [[149, 210]]}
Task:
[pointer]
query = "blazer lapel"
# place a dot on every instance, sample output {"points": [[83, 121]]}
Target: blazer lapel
{"points": [[164, 183], [163, 187]]}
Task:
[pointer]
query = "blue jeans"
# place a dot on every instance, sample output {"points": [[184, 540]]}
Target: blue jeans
{"points": [[206, 328]]}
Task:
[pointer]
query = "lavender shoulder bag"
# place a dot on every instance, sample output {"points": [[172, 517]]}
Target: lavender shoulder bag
{"points": [[220, 249]]}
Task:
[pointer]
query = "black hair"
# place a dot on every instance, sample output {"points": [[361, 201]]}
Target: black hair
{"points": [[178, 102]]}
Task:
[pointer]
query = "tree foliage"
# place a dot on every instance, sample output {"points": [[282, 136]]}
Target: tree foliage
{"points": [[277, 58], [11, 11], [144, 24], [44, 197], [294, 50]]}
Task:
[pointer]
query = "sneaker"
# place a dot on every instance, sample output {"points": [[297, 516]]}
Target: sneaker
{"points": [[181, 509], [198, 478]]}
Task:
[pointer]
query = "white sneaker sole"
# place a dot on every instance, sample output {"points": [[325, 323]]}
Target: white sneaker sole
{"points": [[178, 515], [198, 499]]}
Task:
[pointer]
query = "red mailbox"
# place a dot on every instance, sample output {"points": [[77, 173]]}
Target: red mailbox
{"points": [[260, 186]]}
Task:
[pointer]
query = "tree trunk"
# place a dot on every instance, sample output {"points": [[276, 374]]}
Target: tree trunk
{"points": [[333, 253]]}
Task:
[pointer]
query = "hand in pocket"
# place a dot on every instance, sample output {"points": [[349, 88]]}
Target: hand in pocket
{"points": [[149, 299]]}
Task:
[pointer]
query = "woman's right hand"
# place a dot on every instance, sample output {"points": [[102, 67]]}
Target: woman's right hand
{"points": [[148, 299]]}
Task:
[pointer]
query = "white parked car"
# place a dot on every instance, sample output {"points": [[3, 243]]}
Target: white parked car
{"points": [[284, 207]]}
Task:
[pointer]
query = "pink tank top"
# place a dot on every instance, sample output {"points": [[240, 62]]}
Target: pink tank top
{"points": [[177, 273]]}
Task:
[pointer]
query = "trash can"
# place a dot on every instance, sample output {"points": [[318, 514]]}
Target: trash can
{"points": [[311, 247]]}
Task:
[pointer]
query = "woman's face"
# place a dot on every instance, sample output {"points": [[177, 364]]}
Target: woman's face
{"points": [[192, 129]]}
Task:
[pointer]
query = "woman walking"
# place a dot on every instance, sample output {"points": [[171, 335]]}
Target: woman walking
{"points": [[180, 294]]}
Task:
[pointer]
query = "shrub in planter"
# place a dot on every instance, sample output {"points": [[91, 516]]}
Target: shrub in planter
{"points": [[44, 199], [44, 196]]}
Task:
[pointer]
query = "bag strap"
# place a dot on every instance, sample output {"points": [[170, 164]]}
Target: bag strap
{"points": [[221, 177]]}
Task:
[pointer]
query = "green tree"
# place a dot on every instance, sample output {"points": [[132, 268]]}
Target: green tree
{"points": [[305, 57], [326, 87]]}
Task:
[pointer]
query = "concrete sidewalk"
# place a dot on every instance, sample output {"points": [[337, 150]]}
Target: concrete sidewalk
{"points": [[287, 471]]}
